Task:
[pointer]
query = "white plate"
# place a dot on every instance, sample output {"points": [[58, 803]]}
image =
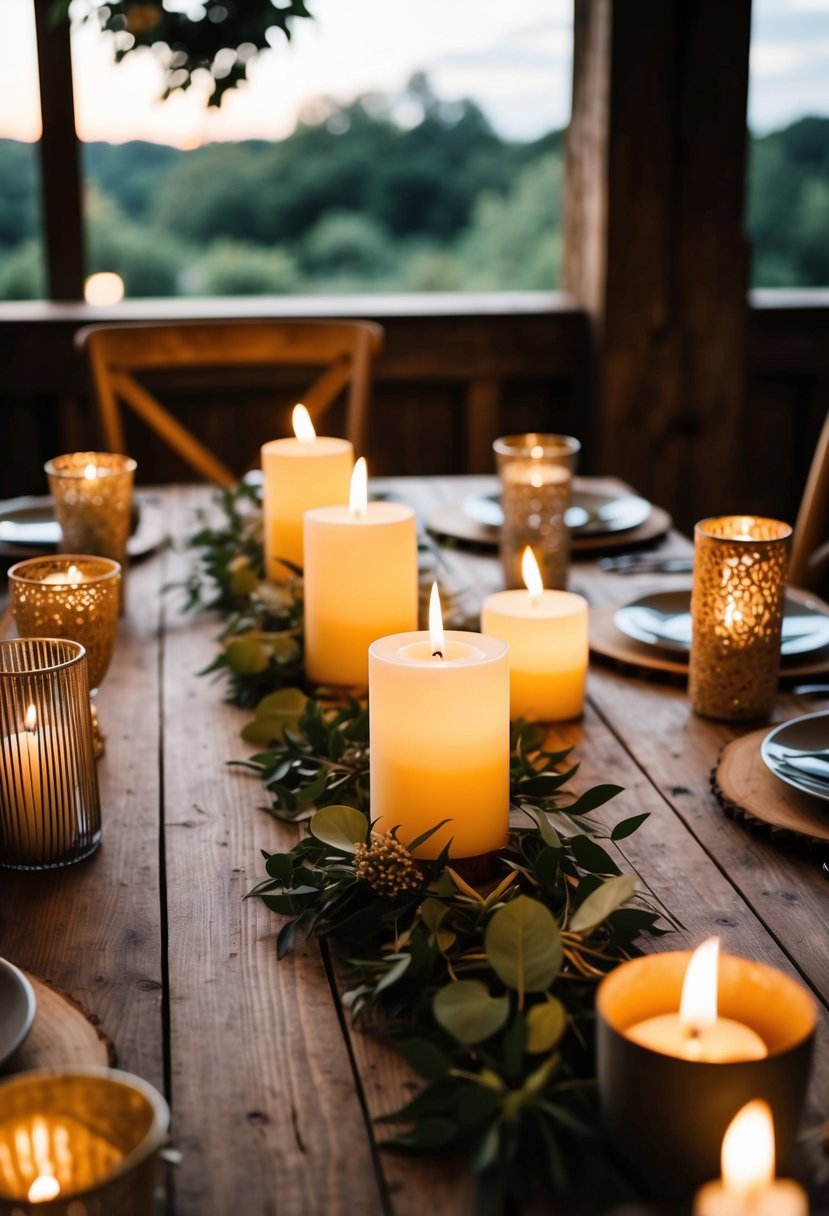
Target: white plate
{"points": [[663, 619], [17, 1008], [28, 527], [788, 751], [589, 514]]}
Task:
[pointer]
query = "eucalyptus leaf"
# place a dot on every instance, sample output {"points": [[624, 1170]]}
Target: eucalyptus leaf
{"points": [[610, 896], [595, 797], [546, 1023], [592, 856], [342, 827], [523, 945], [628, 826], [246, 656], [468, 1012]]}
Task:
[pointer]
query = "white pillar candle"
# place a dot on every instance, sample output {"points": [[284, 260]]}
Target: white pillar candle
{"points": [[748, 1186], [27, 767], [360, 582], [439, 729], [299, 474], [546, 632]]}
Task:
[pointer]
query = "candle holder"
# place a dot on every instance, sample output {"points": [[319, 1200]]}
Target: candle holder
{"points": [[740, 567], [666, 1116], [92, 1133], [71, 596], [93, 500], [536, 474], [50, 812]]}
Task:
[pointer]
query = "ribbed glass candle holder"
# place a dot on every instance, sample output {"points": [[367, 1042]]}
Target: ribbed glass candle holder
{"points": [[93, 500], [740, 564], [536, 473], [50, 812]]}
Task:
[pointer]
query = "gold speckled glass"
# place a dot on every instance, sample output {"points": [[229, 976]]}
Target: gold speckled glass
{"points": [[740, 565], [536, 473], [93, 499]]}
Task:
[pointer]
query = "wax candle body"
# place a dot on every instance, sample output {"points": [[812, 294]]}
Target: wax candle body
{"points": [[440, 740], [360, 584], [780, 1198], [548, 651], [298, 476], [40, 826], [724, 1042]]}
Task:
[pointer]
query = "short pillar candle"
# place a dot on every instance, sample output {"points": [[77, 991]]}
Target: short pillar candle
{"points": [[547, 635], [360, 582], [439, 730], [299, 474]]}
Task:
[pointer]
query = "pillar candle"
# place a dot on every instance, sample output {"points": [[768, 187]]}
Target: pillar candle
{"points": [[546, 632], [299, 474], [748, 1186], [38, 826], [360, 582], [439, 729]]}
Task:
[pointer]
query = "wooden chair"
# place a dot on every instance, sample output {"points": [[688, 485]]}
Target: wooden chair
{"points": [[344, 349], [809, 564]]}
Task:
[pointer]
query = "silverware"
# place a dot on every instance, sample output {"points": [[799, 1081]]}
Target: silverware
{"points": [[633, 563]]}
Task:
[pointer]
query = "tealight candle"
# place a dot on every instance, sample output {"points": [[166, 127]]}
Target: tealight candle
{"points": [[360, 582], [439, 730], [748, 1186], [299, 474], [546, 632], [93, 501], [696, 1032]]}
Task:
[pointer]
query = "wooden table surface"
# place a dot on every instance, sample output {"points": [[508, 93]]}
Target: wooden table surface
{"points": [[273, 1096]]}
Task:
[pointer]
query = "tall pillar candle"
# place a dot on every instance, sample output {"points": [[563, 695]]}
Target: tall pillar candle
{"points": [[360, 582], [546, 632], [439, 730], [299, 474]]}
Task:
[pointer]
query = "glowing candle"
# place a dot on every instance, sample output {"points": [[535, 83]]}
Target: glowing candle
{"points": [[299, 474], [360, 572], [73, 577], [748, 1186], [439, 727], [696, 1032], [21, 785], [546, 632]]}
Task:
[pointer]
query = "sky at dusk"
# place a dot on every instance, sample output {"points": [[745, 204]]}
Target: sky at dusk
{"points": [[513, 59]]}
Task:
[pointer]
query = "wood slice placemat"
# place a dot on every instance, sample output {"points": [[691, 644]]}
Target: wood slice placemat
{"points": [[452, 521], [62, 1035], [748, 790], [608, 642]]}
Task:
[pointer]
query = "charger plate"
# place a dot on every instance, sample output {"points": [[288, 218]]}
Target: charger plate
{"points": [[62, 1035]]}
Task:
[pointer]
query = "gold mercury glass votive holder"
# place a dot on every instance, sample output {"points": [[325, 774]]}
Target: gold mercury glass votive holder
{"points": [[71, 596], [50, 812], [536, 473], [740, 564], [80, 1142], [93, 501]]}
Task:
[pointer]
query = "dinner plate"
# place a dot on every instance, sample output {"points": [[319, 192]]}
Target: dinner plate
{"points": [[798, 753], [590, 513], [17, 1008], [663, 619], [28, 527]]}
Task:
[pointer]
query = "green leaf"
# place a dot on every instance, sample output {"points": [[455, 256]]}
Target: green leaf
{"points": [[598, 796], [628, 826], [342, 827], [548, 833], [523, 945], [468, 1012], [546, 1023], [592, 856], [610, 896], [401, 966], [246, 657], [281, 867], [425, 1058]]}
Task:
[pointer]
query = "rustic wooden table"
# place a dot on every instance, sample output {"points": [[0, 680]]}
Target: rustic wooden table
{"points": [[273, 1096]]}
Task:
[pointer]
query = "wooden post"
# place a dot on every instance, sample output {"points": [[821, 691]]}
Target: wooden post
{"points": [[60, 177], [654, 240]]}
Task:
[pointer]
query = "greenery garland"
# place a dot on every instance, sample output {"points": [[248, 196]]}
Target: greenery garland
{"points": [[485, 983]]}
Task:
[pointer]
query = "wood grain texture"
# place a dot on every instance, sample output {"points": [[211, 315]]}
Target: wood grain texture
{"points": [[748, 790], [62, 1036]]}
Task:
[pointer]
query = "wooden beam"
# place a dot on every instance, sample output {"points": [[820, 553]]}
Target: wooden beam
{"points": [[654, 239], [60, 175]]}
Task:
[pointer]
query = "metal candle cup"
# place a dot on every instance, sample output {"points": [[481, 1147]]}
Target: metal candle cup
{"points": [[93, 499], [94, 1133], [740, 564], [666, 1117]]}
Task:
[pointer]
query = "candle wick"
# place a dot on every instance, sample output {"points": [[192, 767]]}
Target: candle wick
{"points": [[437, 654]]}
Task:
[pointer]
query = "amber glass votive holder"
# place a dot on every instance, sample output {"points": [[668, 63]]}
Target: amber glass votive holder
{"points": [[50, 812], [665, 1116], [536, 472], [93, 500], [740, 566], [86, 1140]]}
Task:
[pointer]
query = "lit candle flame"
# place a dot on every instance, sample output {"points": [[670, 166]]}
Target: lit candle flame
{"points": [[302, 424], [537, 452], [436, 637], [698, 1007], [30, 721], [748, 1150], [732, 615], [90, 472], [43, 1189], [358, 498], [73, 575], [531, 576]]}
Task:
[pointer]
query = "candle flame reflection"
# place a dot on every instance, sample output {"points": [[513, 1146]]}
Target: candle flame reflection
{"points": [[748, 1149], [698, 1007], [358, 498], [43, 1188], [302, 424], [436, 637], [30, 721], [531, 575]]}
